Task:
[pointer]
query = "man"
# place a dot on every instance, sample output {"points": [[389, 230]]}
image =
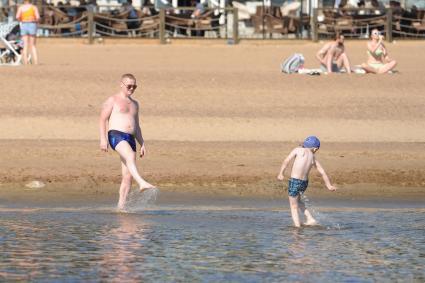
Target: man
{"points": [[121, 112], [332, 56]]}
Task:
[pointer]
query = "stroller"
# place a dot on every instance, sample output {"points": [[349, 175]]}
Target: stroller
{"points": [[10, 44]]}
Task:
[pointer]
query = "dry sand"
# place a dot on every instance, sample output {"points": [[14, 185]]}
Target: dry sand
{"points": [[216, 119]]}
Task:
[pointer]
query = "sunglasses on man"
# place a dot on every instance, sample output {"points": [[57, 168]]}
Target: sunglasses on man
{"points": [[129, 87]]}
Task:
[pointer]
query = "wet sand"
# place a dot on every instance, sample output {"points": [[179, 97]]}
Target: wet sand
{"points": [[217, 120]]}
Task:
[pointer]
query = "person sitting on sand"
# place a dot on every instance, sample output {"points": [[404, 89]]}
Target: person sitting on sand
{"points": [[304, 159], [120, 114], [378, 61], [332, 56]]}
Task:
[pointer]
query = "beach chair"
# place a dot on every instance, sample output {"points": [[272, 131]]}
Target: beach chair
{"points": [[259, 19], [344, 24], [9, 49], [419, 25], [243, 11]]}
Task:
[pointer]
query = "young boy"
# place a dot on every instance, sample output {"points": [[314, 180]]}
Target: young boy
{"points": [[120, 114], [304, 160]]}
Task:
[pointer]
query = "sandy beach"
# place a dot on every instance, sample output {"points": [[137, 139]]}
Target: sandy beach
{"points": [[217, 119]]}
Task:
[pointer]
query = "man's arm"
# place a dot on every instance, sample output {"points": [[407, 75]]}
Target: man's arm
{"points": [[324, 176], [105, 113], [320, 55], [285, 164], [329, 58], [138, 134]]}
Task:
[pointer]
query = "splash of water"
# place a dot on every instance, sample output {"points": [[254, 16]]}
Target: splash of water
{"points": [[321, 218], [139, 201]]}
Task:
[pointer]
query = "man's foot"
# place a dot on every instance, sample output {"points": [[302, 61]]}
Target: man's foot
{"points": [[121, 209], [146, 186], [311, 222]]}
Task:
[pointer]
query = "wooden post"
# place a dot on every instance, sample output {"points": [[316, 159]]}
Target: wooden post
{"points": [[314, 28], [389, 27], [300, 26], [162, 26], [90, 28], [235, 26]]}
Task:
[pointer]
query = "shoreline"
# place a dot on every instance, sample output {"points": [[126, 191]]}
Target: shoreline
{"points": [[69, 195]]}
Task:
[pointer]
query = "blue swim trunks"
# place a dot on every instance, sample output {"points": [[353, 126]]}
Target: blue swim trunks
{"points": [[28, 28], [297, 187], [115, 137]]}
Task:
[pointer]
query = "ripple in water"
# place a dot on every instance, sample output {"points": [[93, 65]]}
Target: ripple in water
{"points": [[210, 245]]}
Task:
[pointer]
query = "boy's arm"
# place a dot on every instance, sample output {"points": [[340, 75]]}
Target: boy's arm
{"points": [[324, 176], [105, 113], [285, 164], [138, 134]]}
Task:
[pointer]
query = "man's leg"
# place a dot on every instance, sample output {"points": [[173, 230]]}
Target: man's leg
{"points": [[345, 62], [125, 186], [128, 157], [293, 202], [309, 217]]}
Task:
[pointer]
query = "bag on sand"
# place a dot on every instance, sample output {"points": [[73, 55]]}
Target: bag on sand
{"points": [[293, 63]]}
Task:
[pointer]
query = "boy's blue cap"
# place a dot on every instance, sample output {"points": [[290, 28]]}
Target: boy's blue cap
{"points": [[311, 141]]}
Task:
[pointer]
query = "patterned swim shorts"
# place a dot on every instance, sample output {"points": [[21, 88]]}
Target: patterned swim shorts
{"points": [[297, 187]]}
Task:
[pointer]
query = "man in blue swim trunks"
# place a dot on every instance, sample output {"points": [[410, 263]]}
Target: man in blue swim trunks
{"points": [[120, 114], [304, 160]]}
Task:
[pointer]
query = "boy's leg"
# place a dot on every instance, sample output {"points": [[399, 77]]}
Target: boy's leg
{"points": [[125, 186], [293, 202], [309, 217], [128, 157]]}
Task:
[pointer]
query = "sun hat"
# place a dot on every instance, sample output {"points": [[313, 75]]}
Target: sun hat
{"points": [[311, 141]]}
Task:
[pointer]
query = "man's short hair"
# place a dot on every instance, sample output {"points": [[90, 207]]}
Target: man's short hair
{"points": [[128, 76]]}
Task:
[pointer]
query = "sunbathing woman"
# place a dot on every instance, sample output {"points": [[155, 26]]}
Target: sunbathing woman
{"points": [[378, 61]]}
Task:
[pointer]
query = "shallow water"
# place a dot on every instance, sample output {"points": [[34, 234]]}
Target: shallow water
{"points": [[211, 243]]}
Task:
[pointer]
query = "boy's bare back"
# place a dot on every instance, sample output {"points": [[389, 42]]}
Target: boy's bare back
{"points": [[303, 161]]}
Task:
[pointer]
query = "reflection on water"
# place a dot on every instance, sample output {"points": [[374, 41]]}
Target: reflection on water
{"points": [[211, 245]]}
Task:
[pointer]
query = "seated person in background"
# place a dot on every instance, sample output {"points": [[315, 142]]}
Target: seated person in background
{"points": [[199, 10], [332, 56], [378, 61]]}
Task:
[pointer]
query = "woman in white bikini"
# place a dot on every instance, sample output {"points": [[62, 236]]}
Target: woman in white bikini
{"points": [[378, 61]]}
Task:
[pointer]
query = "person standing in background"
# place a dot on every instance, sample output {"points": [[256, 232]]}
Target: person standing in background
{"points": [[28, 16]]}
